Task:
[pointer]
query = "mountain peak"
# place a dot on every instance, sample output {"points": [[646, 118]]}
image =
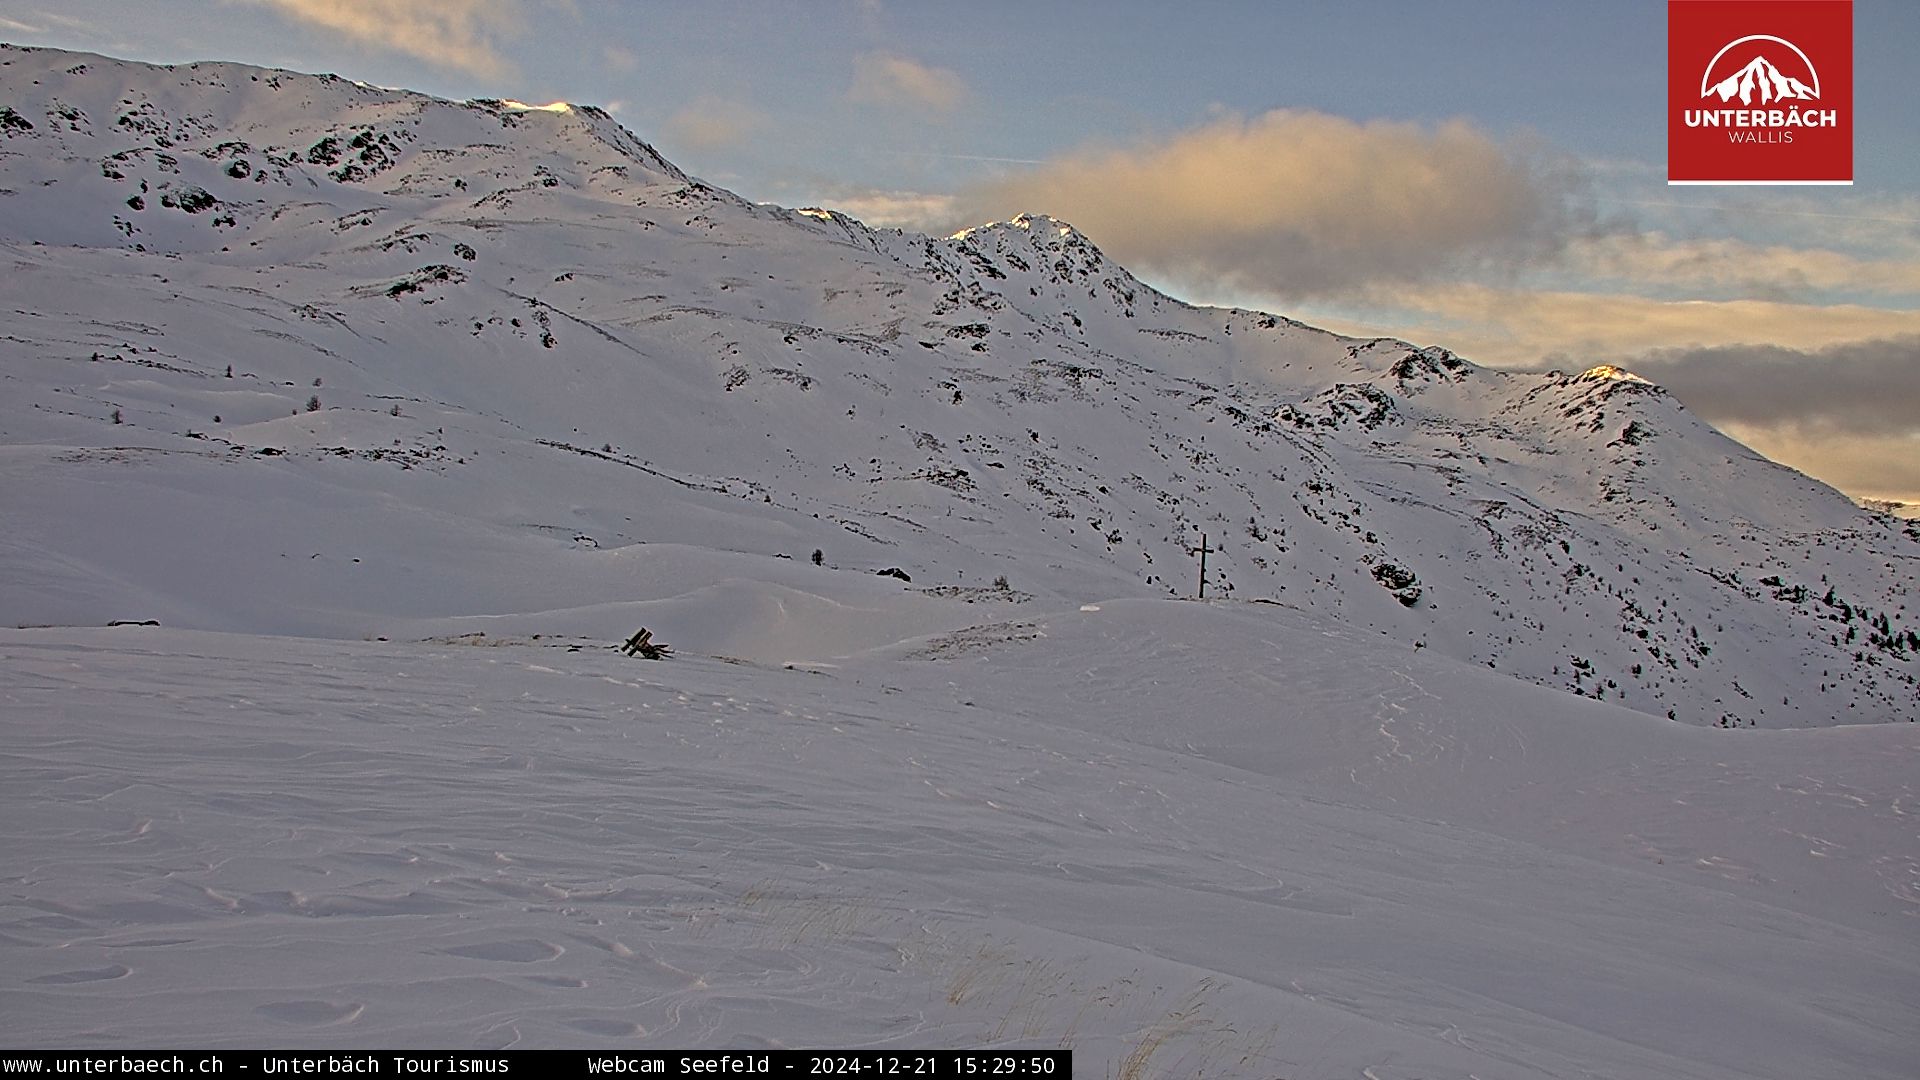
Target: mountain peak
{"points": [[255, 126], [552, 106], [1042, 225], [507, 360], [1611, 373]]}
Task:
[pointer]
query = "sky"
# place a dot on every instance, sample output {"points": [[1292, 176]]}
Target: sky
{"points": [[1481, 174]]}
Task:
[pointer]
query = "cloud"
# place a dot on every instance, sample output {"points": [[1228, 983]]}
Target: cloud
{"points": [[711, 123], [1864, 466], [457, 34], [1776, 271], [47, 20], [1860, 388], [1523, 327], [891, 209], [1300, 203], [898, 82], [619, 59], [1887, 223]]}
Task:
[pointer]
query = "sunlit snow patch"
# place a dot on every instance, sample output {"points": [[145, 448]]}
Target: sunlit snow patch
{"points": [[1618, 374], [1019, 221]]}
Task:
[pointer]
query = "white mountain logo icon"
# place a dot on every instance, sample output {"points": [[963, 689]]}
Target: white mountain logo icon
{"points": [[1760, 80]]}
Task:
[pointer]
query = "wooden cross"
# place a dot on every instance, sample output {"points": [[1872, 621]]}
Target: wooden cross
{"points": [[638, 641], [642, 644]]}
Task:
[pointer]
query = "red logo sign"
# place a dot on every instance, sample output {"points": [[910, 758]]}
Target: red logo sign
{"points": [[1759, 91]]}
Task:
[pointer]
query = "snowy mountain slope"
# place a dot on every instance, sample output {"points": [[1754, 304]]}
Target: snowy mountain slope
{"points": [[559, 386], [1409, 868], [562, 390]]}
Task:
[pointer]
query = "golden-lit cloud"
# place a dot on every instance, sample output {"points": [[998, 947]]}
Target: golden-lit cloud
{"points": [[900, 82], [456, 34], [712, 123], [1521, 327], [1864, 466], [1297, 203], [1849, 415], [1858, 388], [891, 209]]}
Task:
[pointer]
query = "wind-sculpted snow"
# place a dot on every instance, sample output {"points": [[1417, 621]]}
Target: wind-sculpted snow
{"points": [[1071, 828], [293, 354]]}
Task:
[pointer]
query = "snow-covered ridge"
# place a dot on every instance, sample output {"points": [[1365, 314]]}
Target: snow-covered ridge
{"points": [[486, 361]]}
